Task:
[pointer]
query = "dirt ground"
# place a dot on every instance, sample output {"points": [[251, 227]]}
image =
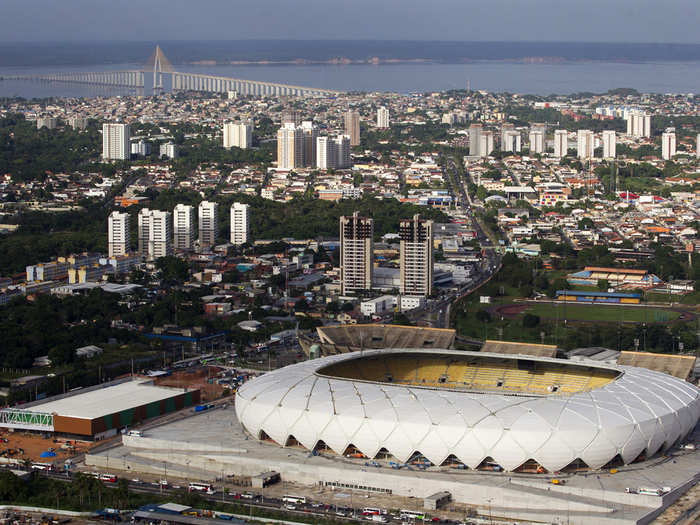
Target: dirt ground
{"points": [[32, 445], [195, 379]]}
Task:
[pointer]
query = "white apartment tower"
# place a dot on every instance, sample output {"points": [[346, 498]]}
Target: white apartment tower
{"points": [[585, 144], [638, 124], [342, 147], [697, 146], [326, 153], [382, 117], [561, 143], [609, 148], [290, 147], [208, 219], [155, 233], [115, 141], [356, 253], [240, 223], [536, 140], [485, 143], [352, 127], [510, 138], [416, 256], [475, 140], [668, 144], [118, 235], [238, 135], [183, 227]]}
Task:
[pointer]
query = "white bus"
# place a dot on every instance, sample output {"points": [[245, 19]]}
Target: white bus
{"points": [[411, 515], [42, 466], [369, 511], [201, 487], [293, 499]]}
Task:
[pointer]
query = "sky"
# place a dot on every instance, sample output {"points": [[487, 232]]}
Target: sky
{"points": [[648, 21]]}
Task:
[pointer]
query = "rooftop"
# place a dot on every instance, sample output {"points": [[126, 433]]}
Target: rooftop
{"points": [[108, 400]]}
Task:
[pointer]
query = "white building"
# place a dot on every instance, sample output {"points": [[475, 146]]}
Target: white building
{"points": [[168, 150], [141, 148], [638, 124], [118, 235], [537, 141], [475, 131], [356, 253], [416, 256], [561, 143], [697, 146], [411, 302], [290, 147], [585, 144], [183, 227], [46, 122], [115, 141], [378, 306], [510, 140], [155, 233], [78, 123], [609, 148], [208, 224], [310, 133], [240, 224], [485, 143], [343, 147], [668, 144], [382, 117], [326, 153], [238, 135]]}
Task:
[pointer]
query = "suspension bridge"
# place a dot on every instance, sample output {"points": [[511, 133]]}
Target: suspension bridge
{"points": [[159, 76]]}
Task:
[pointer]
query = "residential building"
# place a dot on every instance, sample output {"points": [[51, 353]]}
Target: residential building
{"points": [[183, 227], [510, 138], [290, 147], [46, 122], [536, 140], [356, 253], [561, 143], [352, 127], [697, 146], [638, 124], [416, 256], [208, 224], [168, 150], [118, 235], [342, 146], [240, 224], [668, 144], [382, 117], [78, 123], [475, 140], [155, 233], [238, 135], [609, 149], [585, 141], [115, 141], [141, 148], [310, 133], [326, 153], [291, 116], [485, 143]]}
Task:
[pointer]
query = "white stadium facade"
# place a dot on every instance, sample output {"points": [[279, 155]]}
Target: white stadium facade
{"points": [[471, 409]]}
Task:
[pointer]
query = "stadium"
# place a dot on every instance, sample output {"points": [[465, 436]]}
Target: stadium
{"points": [[474, 410]]}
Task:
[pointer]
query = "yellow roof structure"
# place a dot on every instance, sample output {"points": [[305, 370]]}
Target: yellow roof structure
{"points": [[675, 365], [511, 347]]}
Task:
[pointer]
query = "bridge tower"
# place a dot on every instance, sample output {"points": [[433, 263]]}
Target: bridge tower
{"points": [[158, 74]]}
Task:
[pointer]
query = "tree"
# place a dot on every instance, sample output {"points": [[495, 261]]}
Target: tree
{"points": [[483, 316], [172, 269], [531, 320]]}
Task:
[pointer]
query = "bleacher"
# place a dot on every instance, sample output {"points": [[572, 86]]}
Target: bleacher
{"points": [[482, 373]]}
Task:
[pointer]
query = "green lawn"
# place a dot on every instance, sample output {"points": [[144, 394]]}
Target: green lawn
{"points": [[600, 312]]}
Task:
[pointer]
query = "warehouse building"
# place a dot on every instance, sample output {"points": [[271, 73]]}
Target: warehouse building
{"points": [[100, 412]]}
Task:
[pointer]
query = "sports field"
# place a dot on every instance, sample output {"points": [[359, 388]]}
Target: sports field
{"points": [[599, 312]]}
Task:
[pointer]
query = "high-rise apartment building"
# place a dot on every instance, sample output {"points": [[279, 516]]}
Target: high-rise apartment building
{"points": [[342, 147], [208, 219], [382, 117], [238, 135], [485, 143], [536, 138], [310, 133], [510, 138], [475, 140], [585, 144], [291, 116], [118, 235], [326, 153], [78, 123], [115, 141], [356, 253], [416, 256], [183, 227], [561, 143], [697, 146], [668, 144], [290, 147], [638, 124], [352, 127], [609, 144], [155, 233], [240, 224]]}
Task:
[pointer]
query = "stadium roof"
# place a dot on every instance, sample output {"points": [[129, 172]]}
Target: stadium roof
{"points": [[385, 336], [575, 293], [511, 347], [676, 365], [108, 400]]}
